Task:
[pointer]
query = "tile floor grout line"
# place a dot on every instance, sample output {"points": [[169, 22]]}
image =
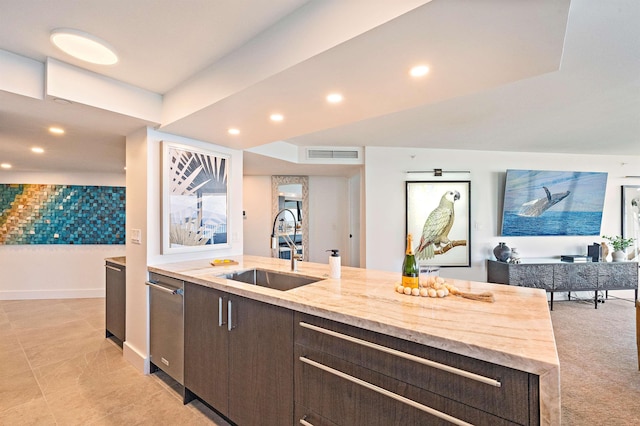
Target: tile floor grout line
{"points": [[35, 377], [98, 367]]}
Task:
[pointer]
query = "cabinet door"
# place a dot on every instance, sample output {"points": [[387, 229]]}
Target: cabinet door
{"points": [[261, 363], [206, 345], [618, 275], [537, 276], [115, 300], [575, 277]]}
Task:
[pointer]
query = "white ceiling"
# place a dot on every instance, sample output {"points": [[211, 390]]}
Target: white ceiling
{"points": [[511, 75], [160, 43]]}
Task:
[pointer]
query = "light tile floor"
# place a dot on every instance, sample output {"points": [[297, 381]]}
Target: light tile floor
{"points": [[57, 368]]}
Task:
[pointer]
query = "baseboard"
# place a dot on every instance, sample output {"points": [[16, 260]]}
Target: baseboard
{"points": [[137, 359], [51, 294]]}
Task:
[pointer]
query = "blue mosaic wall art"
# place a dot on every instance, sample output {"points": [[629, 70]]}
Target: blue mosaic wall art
{"points": [[62, 214]]}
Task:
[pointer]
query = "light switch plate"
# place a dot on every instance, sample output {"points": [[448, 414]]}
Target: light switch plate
{"points": [[136, 236]]}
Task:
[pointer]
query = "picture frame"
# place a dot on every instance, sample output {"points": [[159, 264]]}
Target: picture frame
{"points": [[46, 214], [429, 201], [195, 199], [630, 219], [553, 203]]}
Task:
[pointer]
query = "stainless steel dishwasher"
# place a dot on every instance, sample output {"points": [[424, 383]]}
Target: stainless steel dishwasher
{"points": [[166, 325]]}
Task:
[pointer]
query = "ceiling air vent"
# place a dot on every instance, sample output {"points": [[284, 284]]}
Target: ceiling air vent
{"points": [[314, 154]]}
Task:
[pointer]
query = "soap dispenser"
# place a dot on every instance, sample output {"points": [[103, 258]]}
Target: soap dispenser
{"points": [[334, 264]]}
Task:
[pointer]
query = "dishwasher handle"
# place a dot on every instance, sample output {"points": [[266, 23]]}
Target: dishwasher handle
{"points": [[169, 290]]}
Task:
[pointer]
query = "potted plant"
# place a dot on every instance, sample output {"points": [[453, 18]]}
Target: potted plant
{"points": [[620, 245]]}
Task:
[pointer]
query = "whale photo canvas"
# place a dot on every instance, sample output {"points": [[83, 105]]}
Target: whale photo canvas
{"points": [[544, 202]]}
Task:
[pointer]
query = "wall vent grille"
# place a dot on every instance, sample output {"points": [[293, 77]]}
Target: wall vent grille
{"points": [[332, 154]]}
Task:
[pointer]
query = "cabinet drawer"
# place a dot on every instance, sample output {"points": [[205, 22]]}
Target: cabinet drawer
{"points": [[504, 392], [306, 417], [349, 394]]}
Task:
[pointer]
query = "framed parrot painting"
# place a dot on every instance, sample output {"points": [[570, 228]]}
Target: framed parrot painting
{"points": [[439, 219]]}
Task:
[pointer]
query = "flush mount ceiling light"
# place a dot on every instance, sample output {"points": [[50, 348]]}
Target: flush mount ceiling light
{"points": [[419, 71], [276, 117], [83, 46], [37, 150], [56, 130], [334, 98], [5, 165], [233, 131]]}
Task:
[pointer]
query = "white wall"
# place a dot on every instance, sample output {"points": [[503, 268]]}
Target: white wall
{"points": [[139, 180], [56, 271], [235, 190], [385, 176], [328, 216], [78, 271], [258, 221], [144, 213]]}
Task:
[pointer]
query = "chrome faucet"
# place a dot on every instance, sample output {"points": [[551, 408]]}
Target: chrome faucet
{"points": [[287, 239]]}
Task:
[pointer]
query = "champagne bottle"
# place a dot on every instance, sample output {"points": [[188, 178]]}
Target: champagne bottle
{"points": [[410, 273]]}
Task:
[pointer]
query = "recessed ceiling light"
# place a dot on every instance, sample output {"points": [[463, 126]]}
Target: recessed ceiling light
{"points": [[334, 98], [83, 46], [419, 71], [37, 150], [277, 117], [56, 130], [234, 131], [5, 165]]}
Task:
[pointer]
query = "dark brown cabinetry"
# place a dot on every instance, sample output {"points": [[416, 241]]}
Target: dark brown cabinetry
{"points": [[345, 375], [115, 301], [566, 277], [206, 345], [239, 356]]}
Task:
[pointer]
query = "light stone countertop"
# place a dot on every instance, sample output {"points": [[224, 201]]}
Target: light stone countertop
{"points": [[515, 331], [120, 260]]}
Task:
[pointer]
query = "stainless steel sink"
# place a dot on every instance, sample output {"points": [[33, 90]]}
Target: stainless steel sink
{"points": [[271, 279]]}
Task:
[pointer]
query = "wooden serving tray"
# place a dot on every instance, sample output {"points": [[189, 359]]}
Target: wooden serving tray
{"points": [[223, 262]]}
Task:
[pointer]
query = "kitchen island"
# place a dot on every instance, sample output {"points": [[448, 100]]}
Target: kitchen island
{"points": [[514, 332]]}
